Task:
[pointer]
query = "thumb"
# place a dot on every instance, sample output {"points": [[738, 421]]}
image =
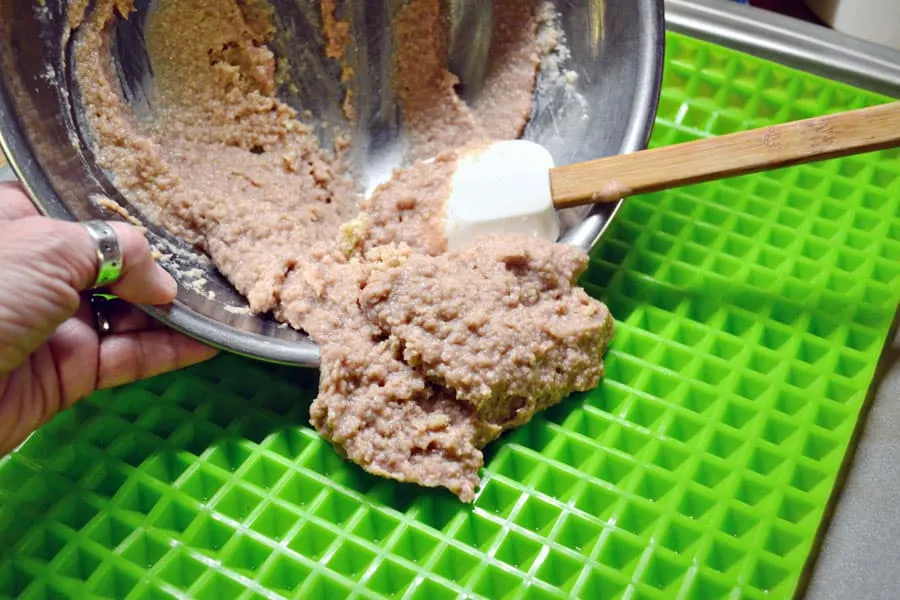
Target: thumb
{"points": [[45, 264]]}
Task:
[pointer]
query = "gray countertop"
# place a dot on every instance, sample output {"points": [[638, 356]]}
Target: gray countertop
{"points": [[858, 558]]}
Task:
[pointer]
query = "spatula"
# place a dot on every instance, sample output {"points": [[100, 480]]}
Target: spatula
{"points": [[513, 186]]}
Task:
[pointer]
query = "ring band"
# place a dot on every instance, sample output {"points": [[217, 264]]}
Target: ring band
{"points": [[109, 254]]}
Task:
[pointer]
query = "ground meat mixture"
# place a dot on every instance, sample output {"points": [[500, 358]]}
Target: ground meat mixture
{"points": [[525, 339], [408, 209], [426, 355]]}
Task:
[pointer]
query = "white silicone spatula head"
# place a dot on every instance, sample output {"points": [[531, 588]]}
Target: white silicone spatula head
{"points": [[501, 187], [513, 187]]}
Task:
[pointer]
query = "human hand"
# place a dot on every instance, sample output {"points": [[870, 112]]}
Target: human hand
{"points": [[51, 354]]}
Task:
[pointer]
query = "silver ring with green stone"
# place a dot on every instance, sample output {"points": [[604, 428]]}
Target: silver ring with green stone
{"points": [[109, 253]]}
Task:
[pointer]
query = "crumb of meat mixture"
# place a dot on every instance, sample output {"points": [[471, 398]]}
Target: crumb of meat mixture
{"points": [[426, 356]]}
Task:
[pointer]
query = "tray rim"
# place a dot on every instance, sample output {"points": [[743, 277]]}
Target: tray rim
{"points": [[791, 42]]}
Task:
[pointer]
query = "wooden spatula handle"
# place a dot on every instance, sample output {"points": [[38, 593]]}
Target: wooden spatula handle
{"points": [[832, 136]]}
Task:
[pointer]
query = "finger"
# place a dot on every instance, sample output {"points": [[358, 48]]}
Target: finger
{"points": [[143, 281], [64, 251], [136, 356], [14, 204], [75, 349], [84, 363], [44, 266]]}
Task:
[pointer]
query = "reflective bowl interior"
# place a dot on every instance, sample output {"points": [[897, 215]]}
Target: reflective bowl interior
{"points": [[615, 49]]}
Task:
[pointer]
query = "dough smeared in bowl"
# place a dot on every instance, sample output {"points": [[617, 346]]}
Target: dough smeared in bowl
{"points": [[426, 356]]}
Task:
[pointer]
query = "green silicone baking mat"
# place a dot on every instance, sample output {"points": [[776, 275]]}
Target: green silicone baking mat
{"points": [[751, 312]]}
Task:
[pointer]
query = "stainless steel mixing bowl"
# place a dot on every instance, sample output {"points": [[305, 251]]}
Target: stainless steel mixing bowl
{"points": [[616, 51]]}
